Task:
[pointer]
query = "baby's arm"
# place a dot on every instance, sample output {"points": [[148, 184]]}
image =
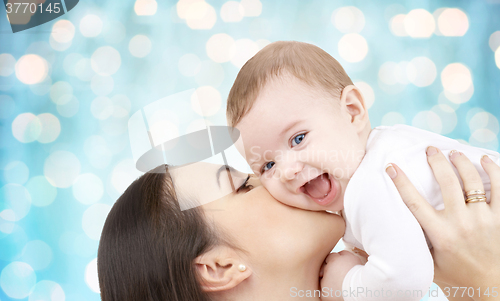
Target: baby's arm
{"points": [[336, 267], [400, 260]]}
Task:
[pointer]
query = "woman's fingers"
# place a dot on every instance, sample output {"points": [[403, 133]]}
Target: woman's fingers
{"points": [[469, 174], [423, 211], [446, 178], [493, 172]]}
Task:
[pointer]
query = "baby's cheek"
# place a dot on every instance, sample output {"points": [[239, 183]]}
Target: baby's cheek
{"points": [[278, 191]]}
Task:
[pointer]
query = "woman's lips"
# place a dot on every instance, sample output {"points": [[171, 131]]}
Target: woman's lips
{"points": [[318, 186]]}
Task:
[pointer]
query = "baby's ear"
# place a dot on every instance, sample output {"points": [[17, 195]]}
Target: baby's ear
{"points": [[355, 106]]}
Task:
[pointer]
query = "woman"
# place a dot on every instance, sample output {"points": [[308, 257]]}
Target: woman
{"points": [[243, 246]]}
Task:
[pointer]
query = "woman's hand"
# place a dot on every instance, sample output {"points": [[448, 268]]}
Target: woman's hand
{"points": [[465, 237]]}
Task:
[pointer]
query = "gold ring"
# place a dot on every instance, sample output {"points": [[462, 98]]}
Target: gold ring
{"points": [[475, 199], [475, 192]]}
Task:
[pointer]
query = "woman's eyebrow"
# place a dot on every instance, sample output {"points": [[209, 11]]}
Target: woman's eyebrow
{"points": [[229, 169]]}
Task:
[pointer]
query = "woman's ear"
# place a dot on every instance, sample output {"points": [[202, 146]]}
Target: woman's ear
{"points": [[221, 269], [355, 105]]}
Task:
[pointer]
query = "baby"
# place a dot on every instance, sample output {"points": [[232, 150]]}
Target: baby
{"points": [[307, 136]]}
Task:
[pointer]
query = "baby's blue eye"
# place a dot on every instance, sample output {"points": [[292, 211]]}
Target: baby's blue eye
{"points": [[297, 139], [267, 166]]}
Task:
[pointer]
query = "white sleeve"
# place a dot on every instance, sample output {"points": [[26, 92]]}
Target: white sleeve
{"points": [[400, 266]]}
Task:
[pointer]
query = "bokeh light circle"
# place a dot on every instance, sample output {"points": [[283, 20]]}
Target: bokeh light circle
{"points": [[484, 120], [447, 116], [232, 11], [17, 280], [16, 172], [42, 87], [121, 105], [428, 120], [182, 7], [244, 49], [453, 22], [59, 46], [7, 64], [97, 151], [421, 71], [47, 290], [494, 40], [31, 69], [90, 26], [145, 7], [51, 128], [83, 70], [63, 31], [61, 168], [220, 48], [70, 106], [368, 93], [42, 192], [59, 90], [349, 19], [88, 188], [102, 85], [16, 200], [189, 64], [123, 174], [37, 254], [93, 220], [26, 127], [484, 138], [101, 107], [456, 78], [397, 25], [252, 8], [211, 74], [419, 23], [105, 60], [386, 73], [200, 15], [497, 57], [206, 101], [460, 97], [140, 46], [353, 47], [114, 31], [91, 277]]}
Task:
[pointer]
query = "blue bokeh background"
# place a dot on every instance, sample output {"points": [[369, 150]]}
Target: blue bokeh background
{"points": [[68, 87]]}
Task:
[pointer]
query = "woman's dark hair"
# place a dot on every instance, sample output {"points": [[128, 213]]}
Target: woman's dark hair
{"points": [[148, 244]]}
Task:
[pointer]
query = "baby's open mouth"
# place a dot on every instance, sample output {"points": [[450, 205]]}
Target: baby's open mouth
{"points": [[321, 189]]}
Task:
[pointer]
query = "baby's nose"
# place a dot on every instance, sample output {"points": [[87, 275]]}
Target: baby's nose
{"points": [[289, 173]]}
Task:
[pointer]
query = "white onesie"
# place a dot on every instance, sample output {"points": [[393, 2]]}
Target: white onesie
{"points": [[400, 265]]}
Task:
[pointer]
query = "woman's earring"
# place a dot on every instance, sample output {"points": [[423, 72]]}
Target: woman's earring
{"points": [[242, 268]]}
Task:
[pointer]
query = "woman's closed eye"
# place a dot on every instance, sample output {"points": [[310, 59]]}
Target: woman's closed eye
{"points": [[244, 187]]}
